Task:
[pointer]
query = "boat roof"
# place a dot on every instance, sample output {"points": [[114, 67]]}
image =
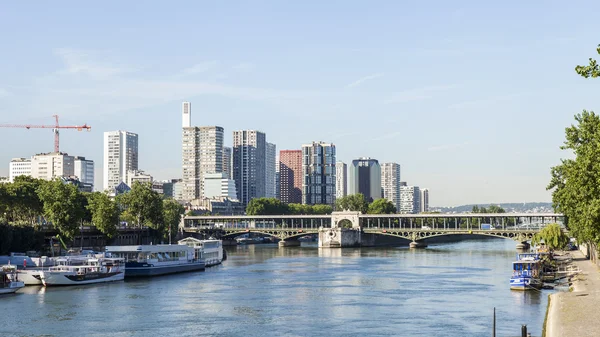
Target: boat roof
{"points": [[527, 261], [146, 248]]}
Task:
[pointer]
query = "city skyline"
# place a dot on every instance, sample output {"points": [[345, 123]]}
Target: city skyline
{"points": [[438, 107]]}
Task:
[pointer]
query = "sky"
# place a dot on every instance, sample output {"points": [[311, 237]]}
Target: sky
{"points": [[470, 97]]}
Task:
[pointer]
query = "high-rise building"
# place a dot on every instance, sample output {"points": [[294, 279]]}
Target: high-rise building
{"points": [[424, 200], [48, 166], [217, 185], [202, 153], [390, 183], [120, 156], [410, 199], [142, 177], [227, 162], [341, 179], [365, 177], [19, 167], [84, 170], [249, 152], [290, 176], [270, 163], [318, 173]]}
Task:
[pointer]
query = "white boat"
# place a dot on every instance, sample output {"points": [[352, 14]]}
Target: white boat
{"points": [[93, 271], [212, 250], [154, 260], [9, 281]]}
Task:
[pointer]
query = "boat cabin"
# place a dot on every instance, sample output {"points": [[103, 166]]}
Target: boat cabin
{"points": [[526, 268], [151, 253]]}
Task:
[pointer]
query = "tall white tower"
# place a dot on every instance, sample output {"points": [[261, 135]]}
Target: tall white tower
{"points": [[120, 156], [186, 112]]}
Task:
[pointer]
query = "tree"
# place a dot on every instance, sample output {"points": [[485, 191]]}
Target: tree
{"points": [[382, 206], [23, 204], [353, 202], [142, 206], [62, 206], [266, 206], [172, 212], [322, 209], [104, 213], [591, 70], [495, 209], [553, 237]]}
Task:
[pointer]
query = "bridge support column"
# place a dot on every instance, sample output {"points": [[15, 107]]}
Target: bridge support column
{"points": [[417, 244], [523, 246], [342, 238], [289, 243]]}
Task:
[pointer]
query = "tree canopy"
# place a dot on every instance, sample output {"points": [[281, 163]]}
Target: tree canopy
{"points": [[172, 212], [354, 202], [553, 237], [62, 206], [142, 206], [591, 70], [490, 209], [273, 206], [105, 213], [381, 206]]}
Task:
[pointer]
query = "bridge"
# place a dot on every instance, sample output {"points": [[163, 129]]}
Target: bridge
{"points": [[353, 228]]}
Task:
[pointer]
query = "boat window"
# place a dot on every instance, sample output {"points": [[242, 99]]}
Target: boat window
{"points": [[167, 256]]}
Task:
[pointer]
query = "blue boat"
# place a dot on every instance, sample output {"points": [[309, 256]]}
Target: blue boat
{"points": [[526, 274], [154, 260]]}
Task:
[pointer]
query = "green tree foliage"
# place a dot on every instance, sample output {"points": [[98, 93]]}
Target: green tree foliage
{"points": [[553, 237], [104, 213], [576, 182], [62, 206], [22, 203], [381, 206], [172, 212], [353, 202], [273, 206], [490, 209], [322, 209], [142, 206], [591, 70]]}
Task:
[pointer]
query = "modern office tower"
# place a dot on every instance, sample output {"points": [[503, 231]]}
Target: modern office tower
{"points": [[390, 183], [364, 177], [218, 185], [424, 200], [249, 159], [202, 153], [84, 170], [48, 166], [227, 162], [318, 173], [178, 190], [290, 176], [270, 163], [341, 179], [19, 167], [138, 176], [410, 199], [120, 156]]}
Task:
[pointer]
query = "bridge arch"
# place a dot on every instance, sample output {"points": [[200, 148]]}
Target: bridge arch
{"points": [[347, 219], [419, 235]]}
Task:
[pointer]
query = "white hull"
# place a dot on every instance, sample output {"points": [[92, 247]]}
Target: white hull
{"points": [[13, 287], [28, 276], [60, 278]]}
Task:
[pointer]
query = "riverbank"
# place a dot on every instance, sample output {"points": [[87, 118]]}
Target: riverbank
{"points": [[575, 313]]}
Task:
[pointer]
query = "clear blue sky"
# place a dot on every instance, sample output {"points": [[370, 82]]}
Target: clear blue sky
{"points": [[470, 97]]}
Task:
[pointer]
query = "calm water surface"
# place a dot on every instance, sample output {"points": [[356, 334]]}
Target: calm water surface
{"points": [[444, 290]]}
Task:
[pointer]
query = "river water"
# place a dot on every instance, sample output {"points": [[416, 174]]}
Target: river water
{"points": [[263, 290]]}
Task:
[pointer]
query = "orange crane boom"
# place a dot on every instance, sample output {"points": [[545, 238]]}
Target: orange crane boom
{"points": [[53, 127]]}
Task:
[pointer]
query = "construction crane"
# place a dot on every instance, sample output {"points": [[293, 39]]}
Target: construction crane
{"points": [[53, 127]]}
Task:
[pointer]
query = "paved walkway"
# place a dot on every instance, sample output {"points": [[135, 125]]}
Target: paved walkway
{"points": [[577, 313]]}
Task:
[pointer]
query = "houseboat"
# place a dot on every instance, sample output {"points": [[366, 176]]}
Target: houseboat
{"points": [[154, 260], [526, 275], [9, 281], [211, 250], [93, 271]]}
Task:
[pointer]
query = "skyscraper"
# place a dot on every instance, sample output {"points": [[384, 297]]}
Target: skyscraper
{"points": [[227, 162], [318, 172], [410, 199], [84, 170], [202, 153], [341, 179], [270, 157], [365, 178], [120, 156], [390, 183], [424, 200], [290, 176], [249, 161]]}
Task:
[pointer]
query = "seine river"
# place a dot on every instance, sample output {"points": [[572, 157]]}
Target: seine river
{"points": [[263, 290]]}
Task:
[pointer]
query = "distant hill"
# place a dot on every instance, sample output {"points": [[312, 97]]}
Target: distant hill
{"points": [[526, 207]]}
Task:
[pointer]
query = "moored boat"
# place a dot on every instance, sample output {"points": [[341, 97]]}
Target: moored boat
{"points": [[9, 281], [154, 260], [93, 271], [526, 275], [211, 250]]}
